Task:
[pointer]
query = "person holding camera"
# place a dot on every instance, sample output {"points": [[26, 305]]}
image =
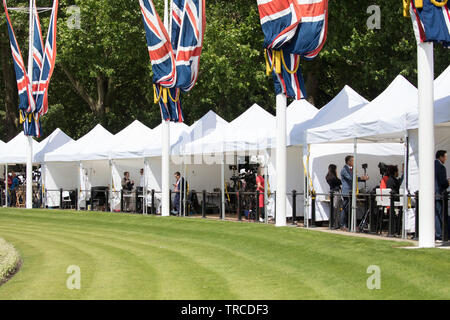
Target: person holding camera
{"points": [[347, 186]]}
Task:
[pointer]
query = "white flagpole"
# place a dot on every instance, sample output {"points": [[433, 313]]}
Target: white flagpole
{"points": [[281, 161], [425, 68], [29, 186], [165, 210]]}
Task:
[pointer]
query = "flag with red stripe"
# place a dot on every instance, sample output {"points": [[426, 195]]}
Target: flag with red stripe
{"points": [[177, 60], [298, 28]]}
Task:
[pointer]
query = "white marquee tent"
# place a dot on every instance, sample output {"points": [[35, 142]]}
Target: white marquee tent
{"points": [[15, 151]]}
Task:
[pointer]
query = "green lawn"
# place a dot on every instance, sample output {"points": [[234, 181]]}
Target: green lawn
{"points": [[145, 257]]}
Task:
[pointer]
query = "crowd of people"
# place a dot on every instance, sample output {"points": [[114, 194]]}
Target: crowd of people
{"points": [[390, 180]]}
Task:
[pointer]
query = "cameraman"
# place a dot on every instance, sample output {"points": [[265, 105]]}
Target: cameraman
{"points": [[347, 187]]}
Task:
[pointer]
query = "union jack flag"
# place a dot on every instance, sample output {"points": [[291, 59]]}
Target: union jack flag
{"points": [[431, 22], [297, 28], [48, 62], [26, 100], [175, 63], [33, 94]]}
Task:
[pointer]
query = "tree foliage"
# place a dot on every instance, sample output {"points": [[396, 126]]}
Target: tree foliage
{"points": [[103, 73]]}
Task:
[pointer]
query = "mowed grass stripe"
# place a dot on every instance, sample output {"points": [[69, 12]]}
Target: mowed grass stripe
{"points": [[177, 270], [245, 260]]}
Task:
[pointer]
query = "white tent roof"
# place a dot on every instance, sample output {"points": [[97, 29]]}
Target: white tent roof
{"points": [[250, 131], [85, 148], [384, 119], [442, 85], [298, 112], [127, 143], [346, 102], [442, 98], [15, 151], [151, 146], [57, 139], [206, 125]]}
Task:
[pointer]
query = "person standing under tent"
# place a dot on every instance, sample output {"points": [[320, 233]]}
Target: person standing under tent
{"points": [[127, 186], [335, 185], [13, 189], [441, 184], [179, 193], [260, 189], [140, 191], [347, 186]]}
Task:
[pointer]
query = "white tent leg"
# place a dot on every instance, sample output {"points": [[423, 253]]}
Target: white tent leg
{"points": [[6, 185], [111, 195], [425, 68], [354, 187], [305, 187], [222, 179], [145, 190], [405, 186], [266, 183], [281, 161], [80, 172]]}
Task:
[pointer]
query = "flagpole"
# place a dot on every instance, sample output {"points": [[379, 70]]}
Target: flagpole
{"points": [[165, 209], [29, 184], [281, 161], [425, 70]]}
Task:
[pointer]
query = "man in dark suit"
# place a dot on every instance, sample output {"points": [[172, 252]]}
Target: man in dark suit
{"points": [[347, 187], [179, 193], [441, 184]]}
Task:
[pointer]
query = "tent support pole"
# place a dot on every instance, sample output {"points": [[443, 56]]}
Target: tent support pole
{"points": [[266, 183], [80, 172], [305, 187], [425, 68], [145, 189], [222, 179], [6, 185], [111, 195], [354, 186], [405, 185], [185, 188], [281, 161]]}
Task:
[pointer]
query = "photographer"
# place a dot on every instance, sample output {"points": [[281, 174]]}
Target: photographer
{"points": [[347, 186]]}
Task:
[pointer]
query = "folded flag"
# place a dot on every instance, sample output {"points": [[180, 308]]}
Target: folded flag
{"points": [[293, 29], [431, 21], [176, 60]]}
